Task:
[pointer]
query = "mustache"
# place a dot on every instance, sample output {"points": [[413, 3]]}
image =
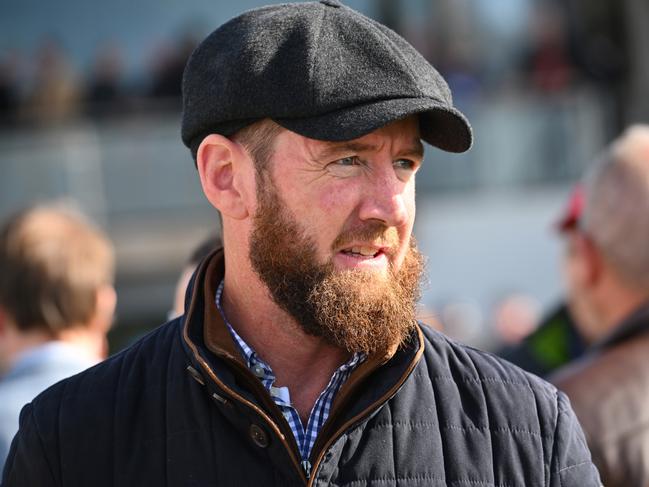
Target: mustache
{"points": [[374, 232]]}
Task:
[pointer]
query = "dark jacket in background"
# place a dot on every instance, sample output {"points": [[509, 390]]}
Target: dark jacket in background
{"points": [[180, 408], [552, 345], [609, 389]]}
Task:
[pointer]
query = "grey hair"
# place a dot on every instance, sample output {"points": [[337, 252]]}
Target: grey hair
{"points": [[616, 205]]}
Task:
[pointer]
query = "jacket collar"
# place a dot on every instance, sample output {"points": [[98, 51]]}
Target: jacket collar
{"points": [[635, 324]]}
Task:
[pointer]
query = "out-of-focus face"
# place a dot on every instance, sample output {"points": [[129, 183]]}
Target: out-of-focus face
{"points": [[575, 275], [332, 234], [181, 288], [4, 342]]}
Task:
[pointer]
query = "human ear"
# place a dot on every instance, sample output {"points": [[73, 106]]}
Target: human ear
{"points": [[105, 304], [219, 162], [592, 260]]}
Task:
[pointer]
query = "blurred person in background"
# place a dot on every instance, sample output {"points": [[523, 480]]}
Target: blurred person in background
{"points": [[168, 63], [9, 87], [515, 317], [104, 92], [606, 271], [555, 342], [56, 93], [548, 61], [56, 305], [205, 248], [298, 359], [556, 339]]}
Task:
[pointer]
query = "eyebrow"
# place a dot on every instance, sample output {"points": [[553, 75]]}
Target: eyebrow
{"points": [[415, 150], [336, 148]]}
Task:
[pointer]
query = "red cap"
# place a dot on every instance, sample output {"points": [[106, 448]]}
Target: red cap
{"points": [[573, 210]]}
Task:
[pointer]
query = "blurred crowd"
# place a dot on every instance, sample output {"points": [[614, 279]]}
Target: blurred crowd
{"points": [[48, 88], [558, 53]]}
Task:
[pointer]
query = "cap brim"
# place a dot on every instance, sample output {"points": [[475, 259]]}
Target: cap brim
{"points": [[441, 126]]}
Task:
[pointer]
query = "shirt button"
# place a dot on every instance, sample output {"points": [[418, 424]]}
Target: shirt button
{"points": [[258, 370], [259, 436]]}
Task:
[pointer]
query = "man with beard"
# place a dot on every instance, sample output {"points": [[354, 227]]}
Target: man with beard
{"points": [[298, 360]]}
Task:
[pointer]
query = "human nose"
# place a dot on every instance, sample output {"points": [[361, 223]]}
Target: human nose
{"points": [[387, 199]]}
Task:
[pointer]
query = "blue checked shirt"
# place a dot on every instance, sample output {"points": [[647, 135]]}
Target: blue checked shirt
{"points": [[305, 437]]}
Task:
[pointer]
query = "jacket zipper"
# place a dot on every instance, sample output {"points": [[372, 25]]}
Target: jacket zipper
{"points": [[270, 422], [386, 397], [260, 412], [306, 466], [273, 426]]}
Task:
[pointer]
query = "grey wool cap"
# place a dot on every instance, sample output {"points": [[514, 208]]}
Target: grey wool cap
{"points": [[319, 69]]}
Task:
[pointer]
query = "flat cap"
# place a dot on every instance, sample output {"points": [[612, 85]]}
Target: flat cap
{"points": [[319, 69]]}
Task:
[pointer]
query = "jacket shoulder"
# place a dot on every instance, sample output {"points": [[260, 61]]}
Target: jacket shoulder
{"points": [[471, 365], [87, 424], [489, 399], [97, 389]]}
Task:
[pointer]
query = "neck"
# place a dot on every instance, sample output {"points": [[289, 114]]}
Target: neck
{"points": [[613, 301], [93, 343], [614, 311], [301, 362]]}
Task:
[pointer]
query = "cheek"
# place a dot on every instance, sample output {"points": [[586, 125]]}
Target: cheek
{"points": [[565, 268], [334, 198], [411, 210], [409, 203], [334, 209], [322, 213], [328, 203], [573, 275], [405, 237]]}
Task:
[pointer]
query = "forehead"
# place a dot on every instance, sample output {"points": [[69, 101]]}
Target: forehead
{"points": [[401, 136]]}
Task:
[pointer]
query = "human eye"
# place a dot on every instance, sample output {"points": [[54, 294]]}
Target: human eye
{"points": [[407, 164], [347, 161], [406, 168], [345, 166]]}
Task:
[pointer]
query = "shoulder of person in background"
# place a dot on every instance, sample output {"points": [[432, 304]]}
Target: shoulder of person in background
{"points": [[56, 304], [554, 343]]}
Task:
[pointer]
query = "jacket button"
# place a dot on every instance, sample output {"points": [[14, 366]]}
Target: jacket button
{"points": [[258, 370], [259, 436]]}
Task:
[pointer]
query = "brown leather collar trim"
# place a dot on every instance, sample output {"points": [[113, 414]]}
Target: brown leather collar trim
{"points": [[211, 272], [366, 368], [216, 335], [323, 442]]}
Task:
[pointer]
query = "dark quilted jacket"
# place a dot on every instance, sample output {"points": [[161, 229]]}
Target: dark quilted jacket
{"points": [[177, 410]]}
